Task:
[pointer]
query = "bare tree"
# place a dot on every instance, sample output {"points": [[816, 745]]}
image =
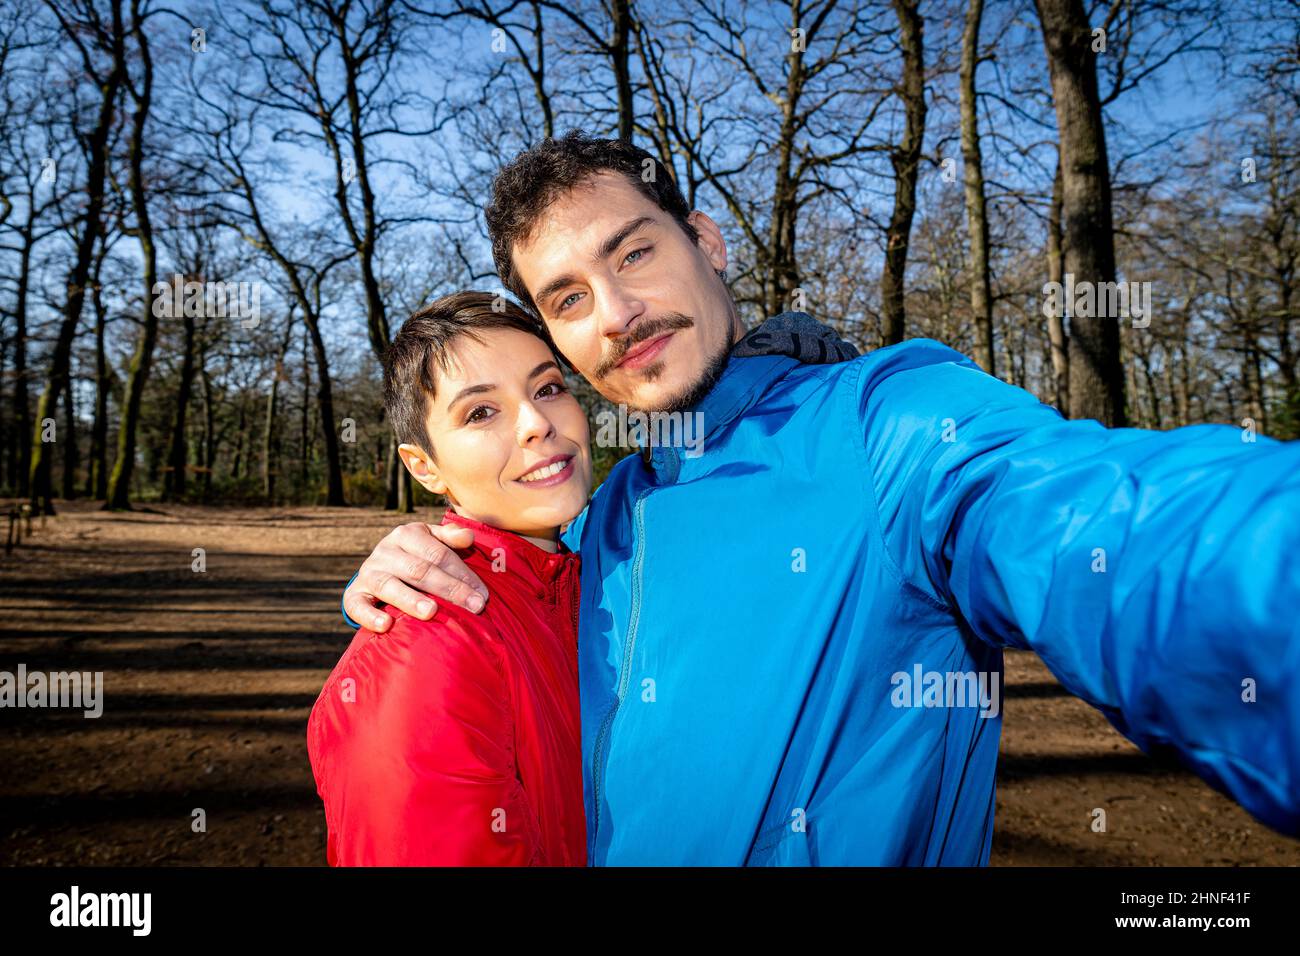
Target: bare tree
{"points": [[814, 125], [977, 222], [906, 160], [1096, 376], [330, 72], [41, 196], [93, 39], [141, 91]]}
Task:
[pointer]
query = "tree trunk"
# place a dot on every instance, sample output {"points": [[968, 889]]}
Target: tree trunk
{"points": [[119, 482], [981, 298], [241, 436], [97, 473], [178, 454], [1056, 322], [22, 461], [363, 242], [61, 358], [306, 405], [1096, 372], [783, 270], [325, 402], [1252, 373], [1185, 387], [905, 158], [1008, 358], [209, 443], [268, 440], [69, 442], [311, 328], [394, 467], [619, 56], [1153, 387], [1171, 391], [405, 498], [270, 443]]}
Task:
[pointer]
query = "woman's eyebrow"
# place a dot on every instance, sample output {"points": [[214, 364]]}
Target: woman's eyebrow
{"points": [[489, 387], [471, 390]]}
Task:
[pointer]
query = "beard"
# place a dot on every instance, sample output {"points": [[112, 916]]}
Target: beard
{"points": [[693, 393]]}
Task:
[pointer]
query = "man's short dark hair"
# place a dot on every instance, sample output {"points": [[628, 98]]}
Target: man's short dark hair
{"points": [[423, 345], [537, 177]]}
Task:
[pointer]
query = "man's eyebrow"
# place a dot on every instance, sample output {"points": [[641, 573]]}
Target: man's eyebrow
{"points": [[613, 242], [606, 248]]}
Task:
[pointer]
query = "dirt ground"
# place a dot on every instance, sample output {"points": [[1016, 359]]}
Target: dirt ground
{"points": [[209, 678]]}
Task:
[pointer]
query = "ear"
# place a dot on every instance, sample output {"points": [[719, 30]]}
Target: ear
{"points": [[422, 468], [711, 243]]}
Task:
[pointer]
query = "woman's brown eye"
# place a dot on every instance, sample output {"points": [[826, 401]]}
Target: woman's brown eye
{"points": [[475, 416]]}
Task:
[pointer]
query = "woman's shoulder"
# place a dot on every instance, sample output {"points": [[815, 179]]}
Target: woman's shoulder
{"points": [[453, 647], [407, 698]]}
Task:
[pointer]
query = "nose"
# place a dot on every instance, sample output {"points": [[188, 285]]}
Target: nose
{"points": [[617, 308], [532, 427]]}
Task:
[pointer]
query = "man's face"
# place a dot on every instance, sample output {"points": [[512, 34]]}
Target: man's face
{"points": [[636, 306]]}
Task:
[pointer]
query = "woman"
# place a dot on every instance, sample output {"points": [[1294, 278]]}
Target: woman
{"points": [[456, 741]]}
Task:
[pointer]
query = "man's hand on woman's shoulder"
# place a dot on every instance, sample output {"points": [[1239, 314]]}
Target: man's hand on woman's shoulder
{"points": [[413, 565]]}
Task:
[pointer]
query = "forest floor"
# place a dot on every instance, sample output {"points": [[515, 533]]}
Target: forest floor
{"points": [[209, 678]]}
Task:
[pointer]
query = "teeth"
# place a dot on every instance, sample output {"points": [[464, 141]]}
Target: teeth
{"points": [[547, 472]]}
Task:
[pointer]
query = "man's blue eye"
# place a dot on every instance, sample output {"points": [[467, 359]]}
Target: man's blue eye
{"points": [[636, 252], [564, 303]]}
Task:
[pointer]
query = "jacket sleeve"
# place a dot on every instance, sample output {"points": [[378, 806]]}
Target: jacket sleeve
{"points": [[346, 619], [414, 758], [1155, 573]]}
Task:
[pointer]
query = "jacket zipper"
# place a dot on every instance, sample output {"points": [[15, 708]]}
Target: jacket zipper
{"points": [[574, 598], [598, 761]]}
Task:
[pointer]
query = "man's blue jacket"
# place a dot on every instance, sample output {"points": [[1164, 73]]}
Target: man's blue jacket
{"points": [[790, 646]]}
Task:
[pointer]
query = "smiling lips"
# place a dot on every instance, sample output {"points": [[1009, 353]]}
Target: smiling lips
{"points": [[645, 353], [552, 471]]}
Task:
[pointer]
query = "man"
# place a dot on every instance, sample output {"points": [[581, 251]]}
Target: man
{"points": [[790, 645]]}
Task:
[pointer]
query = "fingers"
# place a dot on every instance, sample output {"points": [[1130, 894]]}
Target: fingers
{"points": [[417, 558], [360, 606], [461, 585], [394, 592], [451, 534]]}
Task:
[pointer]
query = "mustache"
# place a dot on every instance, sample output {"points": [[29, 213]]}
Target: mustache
{"points": [[647, 329]]}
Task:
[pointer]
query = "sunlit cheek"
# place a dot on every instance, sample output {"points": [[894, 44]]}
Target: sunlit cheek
{"points": [[573, 425], [478, 461], [580, 343]]}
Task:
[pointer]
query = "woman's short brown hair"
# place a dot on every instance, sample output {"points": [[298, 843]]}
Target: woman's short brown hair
{"points": [[424, 341]]}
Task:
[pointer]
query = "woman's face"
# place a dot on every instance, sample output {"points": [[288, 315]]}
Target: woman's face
{"points": [[510, 443]]}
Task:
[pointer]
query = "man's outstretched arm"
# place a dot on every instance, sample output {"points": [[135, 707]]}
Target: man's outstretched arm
{"points": [[412, 569], [1157, 574]]}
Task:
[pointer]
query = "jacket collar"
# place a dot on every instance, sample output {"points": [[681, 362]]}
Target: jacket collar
{"points": [[743, 382], [762, 355], [537, 565]]}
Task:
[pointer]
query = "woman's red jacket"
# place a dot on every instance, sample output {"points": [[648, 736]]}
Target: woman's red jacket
{"points": [[456, 741]]}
